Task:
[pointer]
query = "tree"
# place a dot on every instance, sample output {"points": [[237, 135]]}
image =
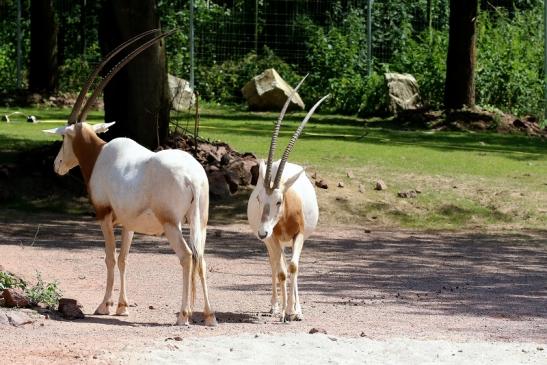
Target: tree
{"points": [[137, 98], [460, 61], [44, 70]]}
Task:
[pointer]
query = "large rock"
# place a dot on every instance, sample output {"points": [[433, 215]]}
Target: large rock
{"points": [[268, 91], [70, 308], [14, 297], [182, 95], [403, 92]]}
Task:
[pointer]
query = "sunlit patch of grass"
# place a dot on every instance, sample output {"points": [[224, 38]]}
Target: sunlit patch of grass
{"points": [[466, 179]]}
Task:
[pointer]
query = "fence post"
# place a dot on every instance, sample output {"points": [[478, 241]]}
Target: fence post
{"points": [[544, 60], [369, 37], [256, 27], [191, 39], [19, 39]]}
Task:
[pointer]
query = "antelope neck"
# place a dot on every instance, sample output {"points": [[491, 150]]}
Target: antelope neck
{"points": [[86, 146]]}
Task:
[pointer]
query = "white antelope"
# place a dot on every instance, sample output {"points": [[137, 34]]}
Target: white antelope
{"points": [[143, 191], [284, 214]]}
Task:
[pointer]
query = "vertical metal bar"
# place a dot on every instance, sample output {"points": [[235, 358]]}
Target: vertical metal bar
{"points": [[545, 59], [430, 20], [191, 38], [19, 41], [256, 27], [369, 37]]}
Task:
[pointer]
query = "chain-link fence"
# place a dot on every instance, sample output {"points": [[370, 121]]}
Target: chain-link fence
{"points": [[341, 40]]}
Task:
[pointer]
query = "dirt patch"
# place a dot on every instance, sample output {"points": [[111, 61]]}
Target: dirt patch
{"points": [[469, 120], [382, 285]]}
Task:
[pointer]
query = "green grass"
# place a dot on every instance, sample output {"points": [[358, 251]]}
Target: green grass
{"points": [[467, 179]]}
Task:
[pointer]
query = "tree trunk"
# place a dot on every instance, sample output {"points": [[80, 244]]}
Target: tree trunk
{"points": [[137, 98], [43, 72], [460, 61]]}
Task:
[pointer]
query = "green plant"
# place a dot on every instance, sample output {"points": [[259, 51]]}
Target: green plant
{"points": [[336, 54], [509, 71], [223, 82], [8, 280], [42, 292]]}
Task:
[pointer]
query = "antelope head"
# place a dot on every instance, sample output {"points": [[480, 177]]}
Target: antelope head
{"points": [[66, 158], [271, 195]]}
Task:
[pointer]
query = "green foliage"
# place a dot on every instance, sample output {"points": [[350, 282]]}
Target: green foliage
{"points": [[40, 293], [45, 293], [425, 58], [223, 82], [374, 96], [336, 58], [8, 280], [510, 62], [74, 72]]}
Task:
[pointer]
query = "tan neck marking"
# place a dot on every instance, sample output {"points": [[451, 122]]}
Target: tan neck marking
{"points": [[292, 221], [86, 146]]}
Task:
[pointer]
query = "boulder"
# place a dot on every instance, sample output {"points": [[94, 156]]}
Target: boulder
{"points": [[268, 91], [14, 297], [403, 92], [182, 95], [70, 308]]}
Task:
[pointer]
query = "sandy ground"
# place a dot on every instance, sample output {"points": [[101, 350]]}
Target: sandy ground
{"points": [[382, 297]]}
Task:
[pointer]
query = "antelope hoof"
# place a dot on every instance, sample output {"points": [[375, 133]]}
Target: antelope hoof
{"points": [[104, 309], [183, 319], [122, 310], [284, 318], [182, 322], [211, 320], [274, 309], [296, 317]]}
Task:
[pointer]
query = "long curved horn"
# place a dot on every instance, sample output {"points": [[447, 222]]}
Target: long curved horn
{"points": [[115, 70], [275, 133], [290, 146], [77, 105]]}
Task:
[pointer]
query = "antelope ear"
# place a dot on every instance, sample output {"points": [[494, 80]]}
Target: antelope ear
{"points": [[261, 170], [291, 180], [60, 130], [102, 127]]}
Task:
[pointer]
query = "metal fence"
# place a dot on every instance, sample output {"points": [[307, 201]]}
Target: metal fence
{"points": [[216, 31]]}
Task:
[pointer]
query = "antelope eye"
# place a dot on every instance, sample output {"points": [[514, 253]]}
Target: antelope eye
{"points": [[278, 203]]}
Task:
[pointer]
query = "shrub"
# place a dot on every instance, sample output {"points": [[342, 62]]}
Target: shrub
{"points": [[42, 292], [509, 71], [426, 61], [336, 58], [46, 293], [223, 82]]}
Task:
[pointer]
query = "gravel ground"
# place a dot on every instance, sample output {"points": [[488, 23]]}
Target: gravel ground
{"points": [[382, 297]]}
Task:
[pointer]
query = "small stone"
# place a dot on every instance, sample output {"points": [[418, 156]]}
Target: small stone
{"points": [[340, 184], [177, 338], [322, 184], [349, 174], [361, 188], [314, 175], [317, 330], [3, 319], [151, 307], [380, 185], [407, 194], [15, 297], [18, 319], [363, 334]]}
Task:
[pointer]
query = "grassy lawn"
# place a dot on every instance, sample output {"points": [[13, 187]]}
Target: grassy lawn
{"points": [[467, 180]]}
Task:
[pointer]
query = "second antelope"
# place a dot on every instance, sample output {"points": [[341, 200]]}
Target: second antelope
{"points": [[284, 214], [143, 191]]}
